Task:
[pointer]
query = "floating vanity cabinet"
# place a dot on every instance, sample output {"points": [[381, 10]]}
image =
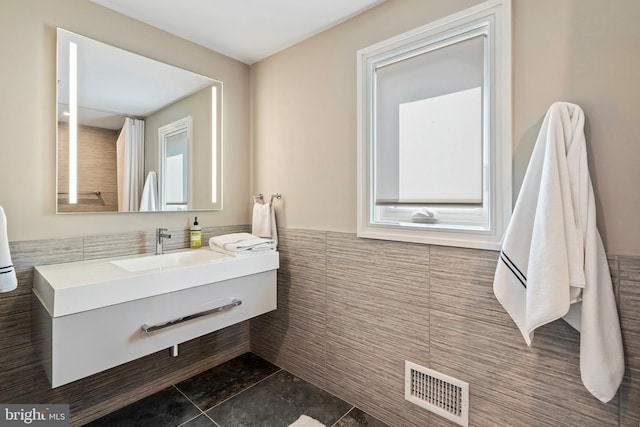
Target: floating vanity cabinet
{"points": [[90, 316]]}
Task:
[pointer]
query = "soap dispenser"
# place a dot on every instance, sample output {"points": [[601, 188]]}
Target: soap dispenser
{"points": [[195, 235]]}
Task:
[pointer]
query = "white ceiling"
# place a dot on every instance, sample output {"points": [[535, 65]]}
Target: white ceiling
{"points": [[246, 30]]}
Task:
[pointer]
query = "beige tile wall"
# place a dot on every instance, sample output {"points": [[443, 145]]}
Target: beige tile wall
{"points": [[629, 279], [22, 379], [350, 311], [97, 169]]}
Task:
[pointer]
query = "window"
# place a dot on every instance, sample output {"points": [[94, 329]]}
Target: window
{"points": [[175, 160], [435, 134], [175, 170]]}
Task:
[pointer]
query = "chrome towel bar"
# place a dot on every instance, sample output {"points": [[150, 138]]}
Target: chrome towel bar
{"points": [[261, 197], [150, 329]]}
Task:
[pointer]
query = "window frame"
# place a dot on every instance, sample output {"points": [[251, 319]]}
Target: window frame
{"points": [[164, 133], [494, 18]]}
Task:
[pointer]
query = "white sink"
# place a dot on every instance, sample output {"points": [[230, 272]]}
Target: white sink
{"points": [[168, 260], [90, 316], [86, 285]]}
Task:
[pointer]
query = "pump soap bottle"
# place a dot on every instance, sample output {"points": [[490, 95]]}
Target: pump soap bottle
{"points": [[195, 235]]}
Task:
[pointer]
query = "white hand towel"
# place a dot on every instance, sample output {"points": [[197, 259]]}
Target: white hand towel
{"points": [[241, 253], [263, 223], [240, 242], [149, 200], [553, 263], [261, 220], [8, 278], [274, 227]]}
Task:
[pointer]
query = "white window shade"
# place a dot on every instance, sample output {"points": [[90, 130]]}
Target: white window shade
{"points": [[428, 122], [176, 168], [439, 160]]}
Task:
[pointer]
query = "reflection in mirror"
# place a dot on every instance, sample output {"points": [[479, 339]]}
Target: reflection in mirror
{"points": [[174, 161], [112, 108]]}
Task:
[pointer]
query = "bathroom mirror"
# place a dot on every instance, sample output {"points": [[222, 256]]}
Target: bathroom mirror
{"points": [[434, 132], [134, 134]]}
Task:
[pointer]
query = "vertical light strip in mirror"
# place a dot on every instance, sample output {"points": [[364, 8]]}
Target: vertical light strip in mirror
{"points": [[73, 123], [214, 144]]}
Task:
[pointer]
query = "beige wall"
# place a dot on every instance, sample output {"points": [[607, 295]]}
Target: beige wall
{"points": [[582, 51], [28, 144], [304, 109]]}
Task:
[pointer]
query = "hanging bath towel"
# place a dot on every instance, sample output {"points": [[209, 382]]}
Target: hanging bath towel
{"points": [[552, 264], [8, 279], [149, 201]]}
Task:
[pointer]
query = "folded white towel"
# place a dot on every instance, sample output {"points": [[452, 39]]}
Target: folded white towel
{"points": [[241, 253], [149, 200], [241, 242], [553, 263], [306, 421], [8, 278], [263, 223]]}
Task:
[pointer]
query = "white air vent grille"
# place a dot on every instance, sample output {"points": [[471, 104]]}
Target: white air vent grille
{"points": [[437, 392]]}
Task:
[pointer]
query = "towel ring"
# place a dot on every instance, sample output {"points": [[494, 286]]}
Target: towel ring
{"points": [[261, 197]]}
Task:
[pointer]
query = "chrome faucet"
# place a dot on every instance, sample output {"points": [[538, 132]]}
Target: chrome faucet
{"points": [[160, 236]]}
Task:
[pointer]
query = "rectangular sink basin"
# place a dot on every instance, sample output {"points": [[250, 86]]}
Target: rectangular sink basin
{"points": [[86, 285], [167, 260]]}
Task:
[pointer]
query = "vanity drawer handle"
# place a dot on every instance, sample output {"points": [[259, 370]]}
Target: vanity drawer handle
{"points": [[149, 329]]}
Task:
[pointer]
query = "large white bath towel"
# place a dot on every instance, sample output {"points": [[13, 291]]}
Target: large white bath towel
{"points": [[8, 278], [553, 263], [263, 223], [149, 201]]}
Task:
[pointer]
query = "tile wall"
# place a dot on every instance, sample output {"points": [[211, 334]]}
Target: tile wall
{"points": [[22, 379], [351, 311], [97, 169]]}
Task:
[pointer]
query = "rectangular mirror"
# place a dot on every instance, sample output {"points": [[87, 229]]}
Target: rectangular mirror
{"points": [[134, 134]]}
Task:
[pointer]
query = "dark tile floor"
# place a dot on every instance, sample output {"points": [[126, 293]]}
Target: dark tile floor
{"points": [[244, 392]]}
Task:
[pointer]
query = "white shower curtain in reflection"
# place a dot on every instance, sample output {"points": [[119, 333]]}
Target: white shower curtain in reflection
{"points": [[130, 152]]}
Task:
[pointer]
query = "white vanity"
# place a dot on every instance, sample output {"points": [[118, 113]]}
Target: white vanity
{"points": [[90, 316]]}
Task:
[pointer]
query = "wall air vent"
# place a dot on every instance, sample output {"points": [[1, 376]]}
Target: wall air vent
{"points": [[437, 392]]}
